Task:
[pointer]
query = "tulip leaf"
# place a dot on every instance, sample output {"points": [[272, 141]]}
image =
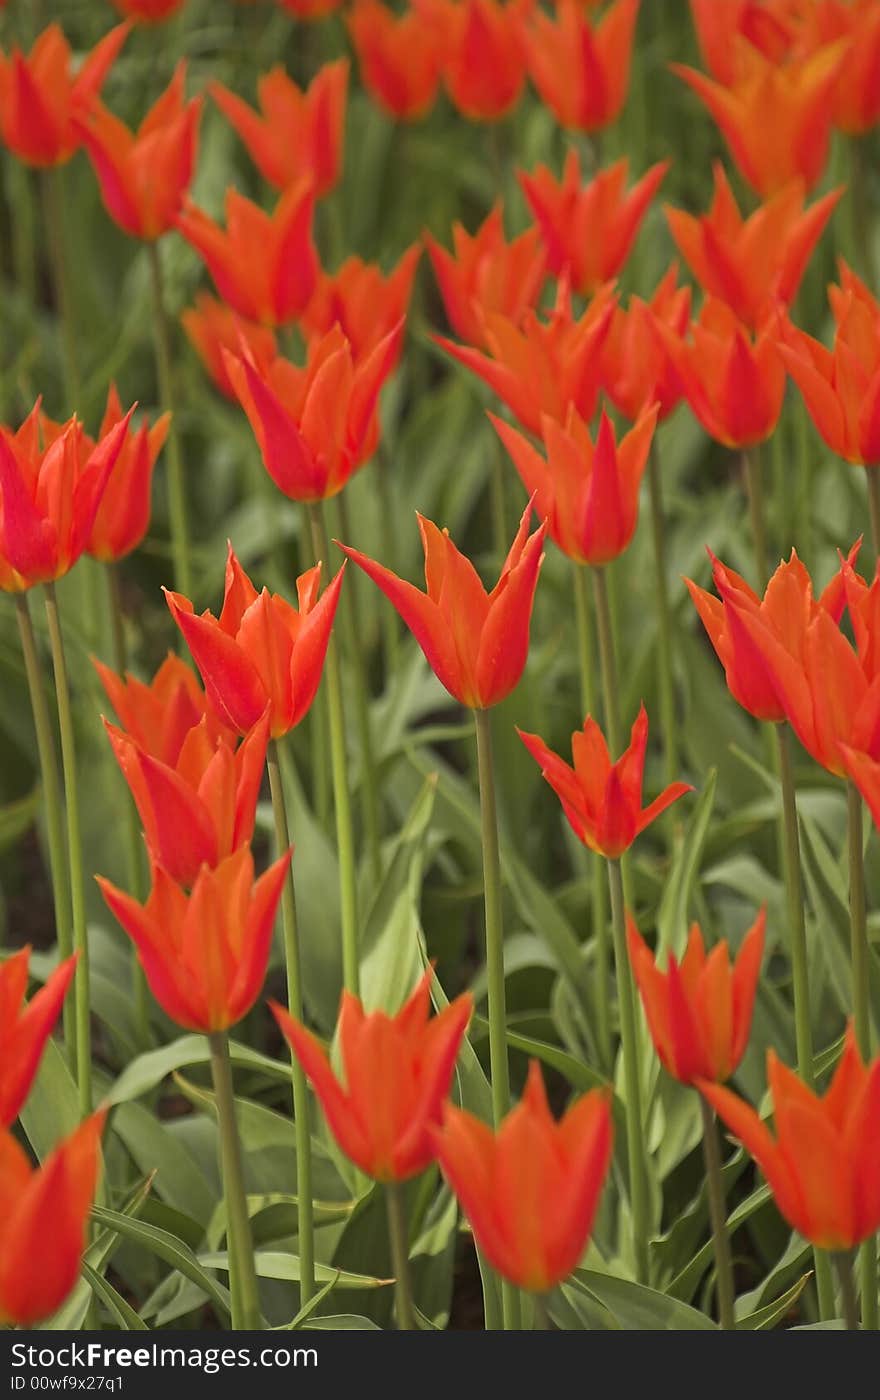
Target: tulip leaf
{"points": [[51, 1110], [343, 1322], [122, 1312], [168, 1248], [762, 1319], [635, 1307], [149, 1069], [311, 1306], [272, 1264]]}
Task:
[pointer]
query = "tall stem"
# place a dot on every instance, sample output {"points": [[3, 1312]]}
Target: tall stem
{"points": [[246, 1314], [664, 620], [293, 965], [53, 204], [498, 1068], [755, 493], [718, 1217], [860, 960], [52, 803], [638, 1186], [398, 1234], [75, 855], [873, 475], [176, 485], [844, 1262], [341, 794]]}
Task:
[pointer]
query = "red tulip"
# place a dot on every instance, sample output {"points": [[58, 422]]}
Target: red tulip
{"points": [[24, 1029], [148, 11], [857, 91], [398, 55], [484, 62], [771, 26], [475, 642], [637, 369], [366, 304], [123, 515], [212, 328], [158, 716], [486, 275], [580, 69]]}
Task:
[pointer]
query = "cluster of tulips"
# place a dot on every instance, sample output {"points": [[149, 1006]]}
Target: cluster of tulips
{"points": [[570, 363]]}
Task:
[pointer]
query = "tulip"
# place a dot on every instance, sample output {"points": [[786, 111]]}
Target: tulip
{"points": [[581, 70], [123, 514], [398, 56], [144, 175], [589, 229], [823, 1165], [530, 1190], [366, 304], [158, 716], [264, 265], [589, 495], [856, 105], [733, 382], [776, 120], [543, 369], [637, 369], [475, 642], [484, 60], [396, 1075], [771, 26], [603, 800], [486, 275], [43, 1217], [212, 328], [298, 132], [204, 953], [316, 425], [699, 1012], [40, 96], [200, 809], [24, 1029], [751, 264], [49, 498], [261, 651], [148, 11]]}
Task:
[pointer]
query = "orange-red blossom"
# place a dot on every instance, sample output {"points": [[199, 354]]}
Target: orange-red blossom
{"points": [[485, 275], [581, 69], [398, 55], [396, 1074], [211, 327], [531, 1189], [25, 1027], [636, 366], [364, 302], [157, 715], [475, 642]]}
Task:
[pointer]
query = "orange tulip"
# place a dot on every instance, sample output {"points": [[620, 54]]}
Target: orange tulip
{"points": [[316, 425], [43, 1217], [364, 302], [589, 229], [398, 56], [397, 1072], [484, 60], [123, 514], [589, 495], [39, 95], [823, 1165], [49, 497], [751, 264], [158, 716], [776, 120], [297, 132], [856, 105], [841, 387], [771, 26], [211, 328], [699, 1012], [24, 1029], [264, 265], [581, 70], [475, 642], [531, 1189], [260, 651], [204, 953], [144, 175], [543, 369], [637, 369], [201, 808], [485, 274], [603, 800], [149, 11], [733, 382]]}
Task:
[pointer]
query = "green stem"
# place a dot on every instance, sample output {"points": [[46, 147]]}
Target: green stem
{"points": [[608, 664], [75, 855], [665, 674], [755, 494], [391, 624], [293, 964], [718, 1217], [497, 1009], [398, 1234], [53, 204], [844, 1262], [246, 1315], [594, 861], [52, 803], [638, 1186], [341, 794], [541, 1314], [860, 959], [176, 485], [873, 475]]}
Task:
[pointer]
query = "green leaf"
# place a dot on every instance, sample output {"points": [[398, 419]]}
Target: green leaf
{"points": [[343, 1322], [168, 1248], [271, 1264], [149, 1069], [764, 1318], [123, 1312], [51, 1111], [314, 1302], [637, 1308]]}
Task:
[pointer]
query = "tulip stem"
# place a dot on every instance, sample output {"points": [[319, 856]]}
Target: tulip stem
{"points": [[53, 206], [75, 855], [594, 861], [629, 1037], [293, 964], [718, 1216], [861, 1013], [341, 794], [873, 475], [246, 1315], [844, 1262], [665, 675], [607, 662], [755, 494], [176, 488], [398, 1234], [497, 1008], [52, 803]]}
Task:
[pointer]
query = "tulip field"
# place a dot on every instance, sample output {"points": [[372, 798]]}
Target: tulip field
{"points": [[440, 666]]}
